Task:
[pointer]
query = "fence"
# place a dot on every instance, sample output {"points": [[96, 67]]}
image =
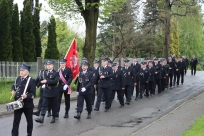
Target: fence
{"points": [[10, 70]]}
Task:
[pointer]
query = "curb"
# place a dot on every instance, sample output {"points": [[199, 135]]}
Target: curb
{"points": [[200, 92], [2, 113]]}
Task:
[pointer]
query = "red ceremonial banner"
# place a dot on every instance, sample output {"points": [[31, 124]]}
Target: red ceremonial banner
{"points": [[72, 59]]}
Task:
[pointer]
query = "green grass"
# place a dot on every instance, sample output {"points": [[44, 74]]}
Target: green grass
{"points": [[197, 129], [5, 91]]}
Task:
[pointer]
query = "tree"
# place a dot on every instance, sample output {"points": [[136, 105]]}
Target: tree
{"points": [[52, 51], [174, 38], [64, 38], [191, 34], [5, 34], [27, 36], [165, 10], [117, 33], [16, 38], [36, 28], [89, 10]]}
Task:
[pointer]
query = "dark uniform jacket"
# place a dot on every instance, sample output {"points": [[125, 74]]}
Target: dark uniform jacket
{"points": [[177, 66], [186, 62], [95, 72], [194, 62], [158, 68], [183, 65], [129, 75], [151, 74], [41, 76], [144, 75], [19, 87], [163, 71], [108, 73], [118, 81], [52, 80], [87, 81], [136, 69], [67, 74], [171, 67]]}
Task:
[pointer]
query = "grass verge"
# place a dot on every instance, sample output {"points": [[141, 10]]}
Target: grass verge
{"points": [[196, 129]]}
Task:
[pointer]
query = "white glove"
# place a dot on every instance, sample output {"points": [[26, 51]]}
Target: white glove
{"points": [[43, 86], [77, 93], [65, 87], [83, 89]]}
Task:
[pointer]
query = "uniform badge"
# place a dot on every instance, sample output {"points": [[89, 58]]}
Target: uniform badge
{"points": [[128, 73], [116, 76], [87, 79], [50, 76]]}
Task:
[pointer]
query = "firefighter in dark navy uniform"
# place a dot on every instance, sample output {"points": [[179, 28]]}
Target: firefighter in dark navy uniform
{"points": [[157, 75], [95, 69], [50, 93], [144, 76], [17, 90], [193, 63], [129, 80], [86, 84], [104, 83], [118, 85], [65, 79], [151, 78], [136, 68], [42, 75]]}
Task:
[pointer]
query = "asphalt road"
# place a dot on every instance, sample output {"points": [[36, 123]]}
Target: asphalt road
{"points": [[116, 122]]}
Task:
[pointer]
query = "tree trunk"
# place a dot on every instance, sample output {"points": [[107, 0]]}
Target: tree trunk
{"points": [[167, 30], [166, 39], [91, 19]]}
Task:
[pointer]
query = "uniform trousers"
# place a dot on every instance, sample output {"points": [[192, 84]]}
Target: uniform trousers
{"points": [[127, 92], [158, 84], [163, 84], [170, 79], [119, 94], [67, 101], [182, 77], [143, 87], [176, 78], [17, 118], [106, 92], [41, 99], [80, 102], [193, 70], [93, 95], [152, 87], [46, 102]]}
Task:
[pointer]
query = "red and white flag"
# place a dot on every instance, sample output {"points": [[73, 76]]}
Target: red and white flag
{"points": [[72, 59]]}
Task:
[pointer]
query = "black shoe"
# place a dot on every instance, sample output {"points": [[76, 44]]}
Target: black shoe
{"points": [[78, 116], [89, 116], [53, 120], [40, 119], [106, 110], [66, 115], [49, 114], [96, 109], [85, 108], [121, 106], [136, 99], [57, 116], [128, 103], [37, 113]]}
